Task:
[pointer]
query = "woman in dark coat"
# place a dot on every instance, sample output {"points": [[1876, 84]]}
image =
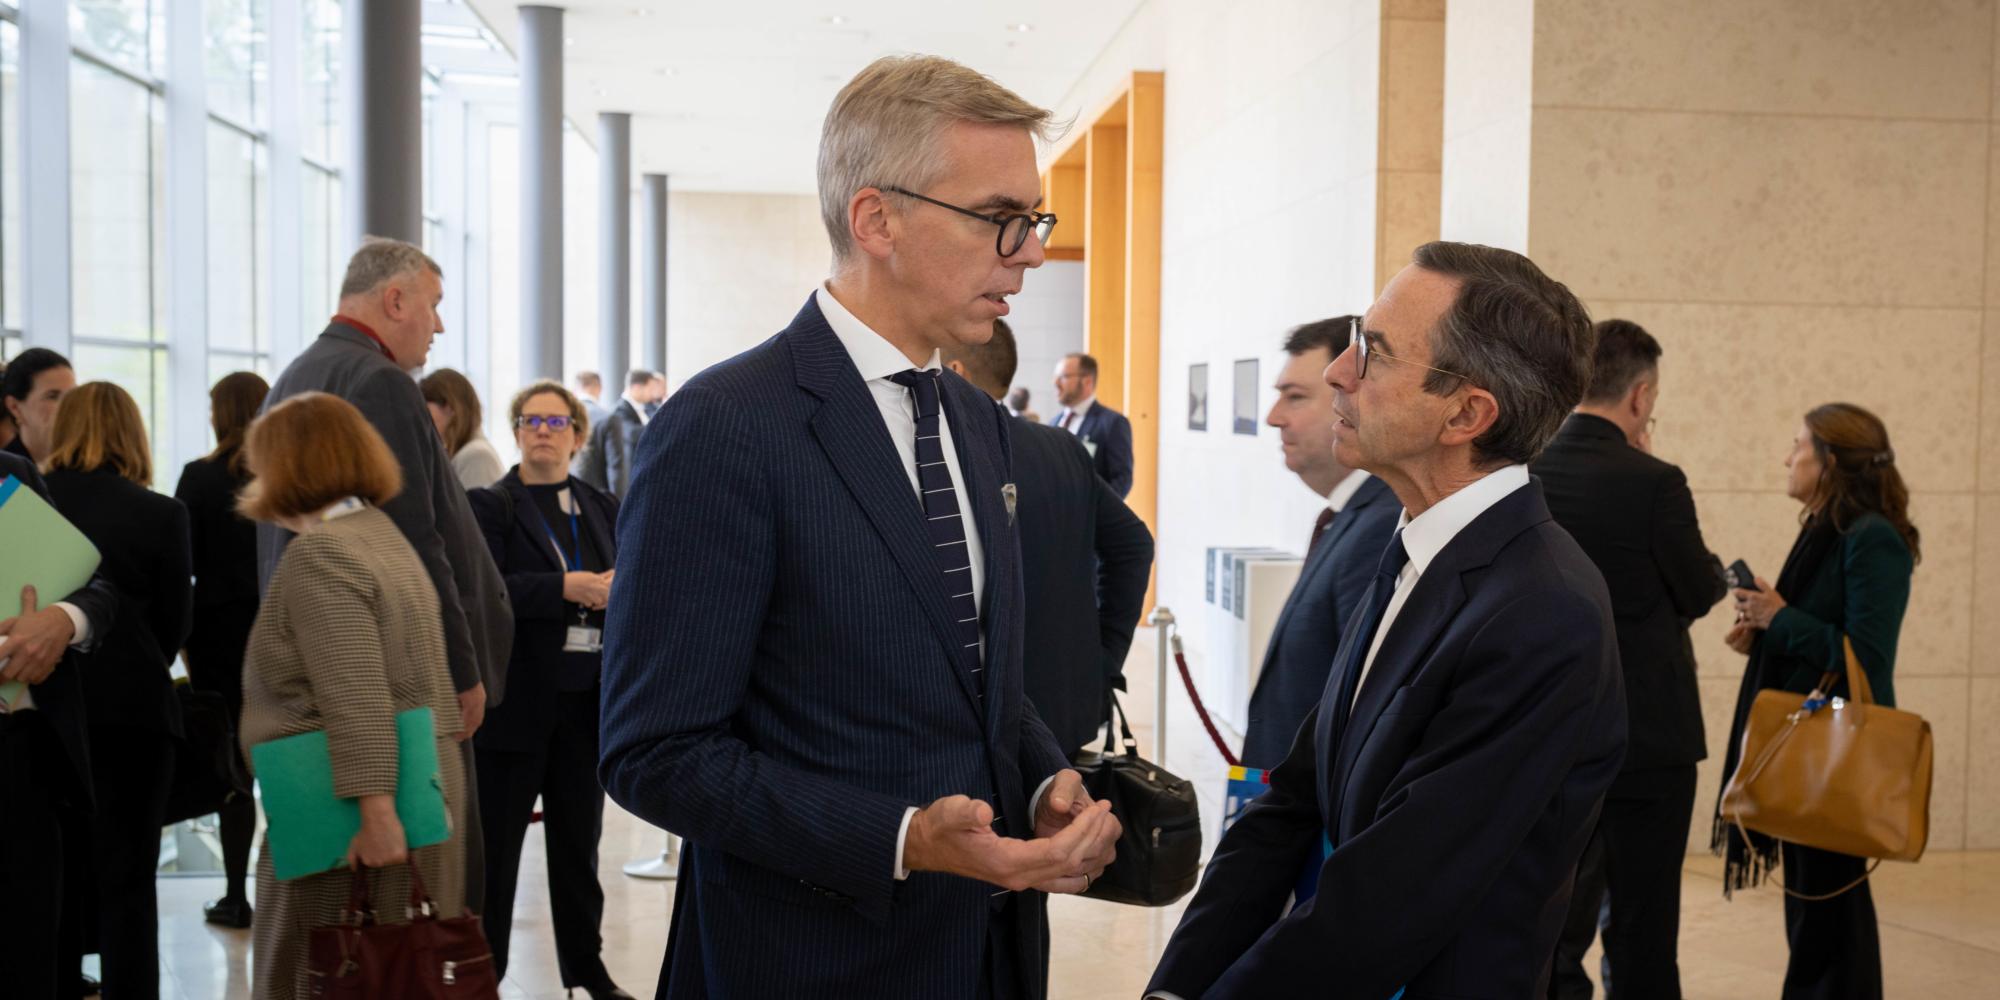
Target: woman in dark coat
{"points": [[1848, 575], [552, 536], [225, 602], [98, 469]]}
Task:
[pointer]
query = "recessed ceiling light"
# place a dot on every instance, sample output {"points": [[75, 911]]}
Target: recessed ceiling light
{"points": [[1023, 28], [836, 19], [570, 40], [642, 12], [666, 71]]}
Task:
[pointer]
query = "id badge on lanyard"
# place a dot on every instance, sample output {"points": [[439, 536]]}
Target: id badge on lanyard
{"points": [[580, 637]]}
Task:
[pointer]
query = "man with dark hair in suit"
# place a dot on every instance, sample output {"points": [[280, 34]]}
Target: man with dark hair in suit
{"points": [[46, 781], [1103, 430], [1457, 758], [589, 392], [1633, 515], [607, 456], [1346, 541], [813, 662], [388, 318], [1085, 560]]}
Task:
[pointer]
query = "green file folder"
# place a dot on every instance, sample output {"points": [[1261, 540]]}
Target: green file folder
{"points": [[41, 549], [310, 828]]}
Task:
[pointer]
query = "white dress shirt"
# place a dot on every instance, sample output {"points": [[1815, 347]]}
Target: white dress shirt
{"points": [[877, 359], [1432, 530], [1071, 418]]}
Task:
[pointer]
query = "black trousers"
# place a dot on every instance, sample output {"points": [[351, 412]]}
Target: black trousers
{"points": [[110, 871], [33, 769], [1836, 946], [564, 774], [1629, 882], [215, 663]]}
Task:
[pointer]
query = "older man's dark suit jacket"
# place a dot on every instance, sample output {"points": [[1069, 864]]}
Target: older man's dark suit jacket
{"points": [[1457, 797], [782, 679], [1085, 559], [1335, 575], [1633, 515], [432, 510], [60, 697]]}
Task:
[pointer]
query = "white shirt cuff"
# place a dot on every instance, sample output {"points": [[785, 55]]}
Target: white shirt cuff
{"points": [[1035, 804], [1162, 995], [903, 836], [82, 638]]}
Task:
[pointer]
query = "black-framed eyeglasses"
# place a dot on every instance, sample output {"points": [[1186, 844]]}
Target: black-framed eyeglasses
{"points": [[1014, 226], [1362, 352], [536, 420]]}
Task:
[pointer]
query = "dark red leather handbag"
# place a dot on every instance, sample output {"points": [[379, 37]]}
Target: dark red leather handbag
{"points": [[428, 958]]}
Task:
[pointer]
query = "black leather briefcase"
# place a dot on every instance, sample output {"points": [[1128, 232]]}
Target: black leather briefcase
{"points": [[1159, 854]]}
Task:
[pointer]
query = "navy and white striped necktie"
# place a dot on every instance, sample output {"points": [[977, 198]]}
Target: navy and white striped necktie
{"points": [[943, 518]]}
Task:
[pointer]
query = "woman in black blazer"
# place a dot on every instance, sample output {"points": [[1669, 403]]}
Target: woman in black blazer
{"points": [[225, 602], [98, 470], [553, 538], [1848, 576]]}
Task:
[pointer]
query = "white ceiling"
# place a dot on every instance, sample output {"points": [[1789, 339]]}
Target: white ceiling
{"points": [[728, 96]]}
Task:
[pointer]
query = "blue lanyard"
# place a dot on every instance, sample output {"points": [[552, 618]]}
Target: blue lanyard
{"points": [[573, 563]]}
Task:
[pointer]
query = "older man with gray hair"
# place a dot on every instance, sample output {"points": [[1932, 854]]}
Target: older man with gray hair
{"points": [[367, 355]]}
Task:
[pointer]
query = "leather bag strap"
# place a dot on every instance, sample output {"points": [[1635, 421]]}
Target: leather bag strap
{"points": [[1842, 891], [1858, 688]]}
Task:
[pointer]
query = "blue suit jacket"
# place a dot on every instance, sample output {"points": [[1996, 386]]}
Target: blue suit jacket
{"points": [[1110, 434], [1307, 635], [781, 681], [1458, 796]]}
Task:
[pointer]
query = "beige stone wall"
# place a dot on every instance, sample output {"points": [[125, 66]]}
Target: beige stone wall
{"points": [[1795, 197]]}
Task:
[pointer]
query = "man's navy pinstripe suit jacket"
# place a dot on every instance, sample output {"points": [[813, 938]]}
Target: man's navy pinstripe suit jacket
{"points": [[781, 682]]}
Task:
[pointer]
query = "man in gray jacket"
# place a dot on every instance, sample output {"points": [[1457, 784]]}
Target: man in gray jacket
{"points": [[388, 316]]}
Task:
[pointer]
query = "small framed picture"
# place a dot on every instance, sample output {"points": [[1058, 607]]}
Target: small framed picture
{"points": [[1246, 397], [1198, 397]]}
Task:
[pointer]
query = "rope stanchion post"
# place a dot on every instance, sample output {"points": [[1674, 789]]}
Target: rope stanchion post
{"points": [[1161, 619]]}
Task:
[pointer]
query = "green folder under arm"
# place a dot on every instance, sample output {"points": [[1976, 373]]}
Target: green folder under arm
{"points": [[310, 827], [43, 550]]}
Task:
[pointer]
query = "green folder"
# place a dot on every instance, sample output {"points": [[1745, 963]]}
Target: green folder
{"points": [[43, 550], [310, 828]]}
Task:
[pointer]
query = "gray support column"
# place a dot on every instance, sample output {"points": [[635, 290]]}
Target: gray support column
{"points": [[45, 300], [381, 72], [653, 272], [541, 194], [614, 243], [284, 201], [187, 263]]}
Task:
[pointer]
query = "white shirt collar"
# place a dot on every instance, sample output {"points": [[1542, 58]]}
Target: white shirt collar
{"points": [[1344, 491], [1083, 409], [872, 355], [1426, 536]]}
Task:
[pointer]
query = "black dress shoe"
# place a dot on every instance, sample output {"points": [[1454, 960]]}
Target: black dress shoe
{"points": [[86, 986], [228, 912], [608, 991]]}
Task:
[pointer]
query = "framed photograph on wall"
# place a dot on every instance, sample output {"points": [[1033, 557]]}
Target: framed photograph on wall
{"points": [[1198, 397], [1246, 397]]}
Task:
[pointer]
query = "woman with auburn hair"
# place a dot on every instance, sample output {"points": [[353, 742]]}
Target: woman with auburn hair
{"points": [[348, 635], [454, 406], [225, 602], [98, 469], [1848, 576]]}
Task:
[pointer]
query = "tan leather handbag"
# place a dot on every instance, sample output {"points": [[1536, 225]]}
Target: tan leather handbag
{"points": [[1844, 775]]}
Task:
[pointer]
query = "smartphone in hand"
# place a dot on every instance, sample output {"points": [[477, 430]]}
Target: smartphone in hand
{"points": [[1740, 577]]}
